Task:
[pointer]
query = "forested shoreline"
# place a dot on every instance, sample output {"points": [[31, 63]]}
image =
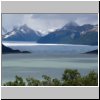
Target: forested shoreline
{"points": [[70, 77]]}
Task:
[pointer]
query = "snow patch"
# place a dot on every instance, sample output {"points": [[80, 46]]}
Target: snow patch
{"points": [[23, 30], [12, 33]]}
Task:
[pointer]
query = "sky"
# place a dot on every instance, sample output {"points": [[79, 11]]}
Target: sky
{"points": [[45, 22]]}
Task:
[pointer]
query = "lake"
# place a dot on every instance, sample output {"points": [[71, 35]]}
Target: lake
{"points": [[47, 59], [36, 65]]}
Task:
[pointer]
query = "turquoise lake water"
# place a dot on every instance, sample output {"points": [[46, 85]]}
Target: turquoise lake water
{"points": [[31, 65]]}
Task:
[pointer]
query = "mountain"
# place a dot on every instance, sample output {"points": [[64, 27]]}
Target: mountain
{"points": [[22, 33], [6, 50], [72, 33], [92, 52]]}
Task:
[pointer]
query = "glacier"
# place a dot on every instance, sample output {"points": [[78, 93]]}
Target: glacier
{"points": [[49, 48]]}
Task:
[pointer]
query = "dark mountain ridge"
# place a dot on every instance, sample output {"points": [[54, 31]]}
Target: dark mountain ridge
{"points": [[7, 50], [92, 52]]}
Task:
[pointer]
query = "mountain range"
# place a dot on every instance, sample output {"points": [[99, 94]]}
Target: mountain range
{"points": [[71, 33]]}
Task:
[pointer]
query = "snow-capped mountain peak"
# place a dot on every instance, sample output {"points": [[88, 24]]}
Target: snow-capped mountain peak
{"points": [[70, 25], [22, 33]]}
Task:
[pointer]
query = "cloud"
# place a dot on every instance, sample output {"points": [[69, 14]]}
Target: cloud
{"points": [[46, 22], [10, 20], [89, 19]]}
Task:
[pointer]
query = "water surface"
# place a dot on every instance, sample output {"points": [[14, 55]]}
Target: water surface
{"points": [[34, 65]]}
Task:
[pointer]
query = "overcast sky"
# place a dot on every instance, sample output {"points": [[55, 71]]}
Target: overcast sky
{"points": [[45, 22]]}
